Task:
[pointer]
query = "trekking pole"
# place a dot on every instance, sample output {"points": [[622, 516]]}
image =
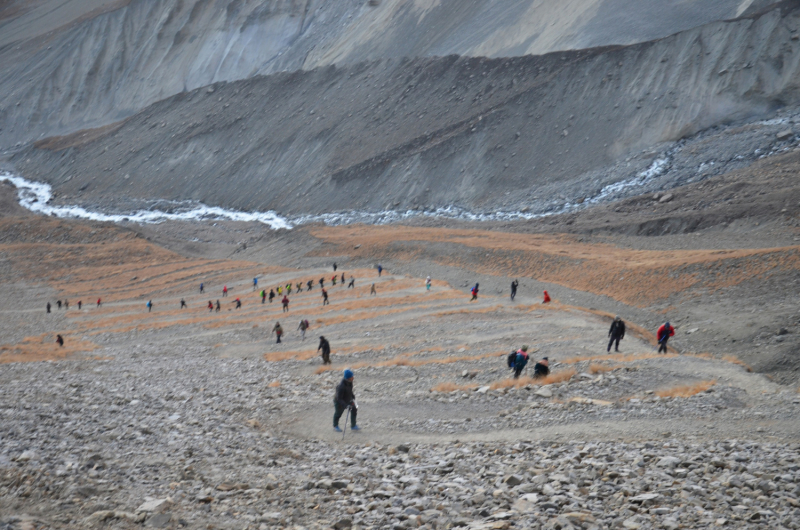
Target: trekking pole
{"points": [[346, 420]]}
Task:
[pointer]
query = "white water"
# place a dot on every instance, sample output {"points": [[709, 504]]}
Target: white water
{"points": [[36, 196]]}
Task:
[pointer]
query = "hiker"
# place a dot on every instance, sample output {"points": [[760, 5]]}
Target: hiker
{"points": [[99, 301], [79, 305], [342, 278], [541, 369], [201, 288], [352, 284], [277, 330], [149, 305], [546, 298], [325, 346], [309, 285], [474, 293], [210, 306], [255, 283], [322, 282], [263, 296], [279, 290], [285, 303], [60, 340], [343, 400], [58, 303], [299, 287], [218, 307], [372, 290], [66, 304], [288, 288], [238, 303], [325, 297], [304, 325], [518, 360], [664, 333], [380, 270], [271, 295], [334, 267], [224, 291], [428, 283], [514, 285], [333, 279], [48, 307], [616, 333]]}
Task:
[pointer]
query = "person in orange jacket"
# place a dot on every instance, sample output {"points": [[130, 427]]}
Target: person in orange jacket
{"points": [[662, 335]]}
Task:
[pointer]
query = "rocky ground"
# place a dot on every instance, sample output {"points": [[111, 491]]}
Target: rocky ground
{"points": [[188, 418]]}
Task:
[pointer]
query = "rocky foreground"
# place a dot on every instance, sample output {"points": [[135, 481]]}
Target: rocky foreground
{"points": [[201, 442]]}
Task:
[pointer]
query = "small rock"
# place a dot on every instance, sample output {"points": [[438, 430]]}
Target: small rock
{"points": [[544, 392], [513, 480], [343, 523], [483, 389], [669, 461], [154, 505], [159, 520], [666, 198], [785, 134], [27, 456]]}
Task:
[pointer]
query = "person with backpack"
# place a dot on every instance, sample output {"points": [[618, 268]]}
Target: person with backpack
{"points": [[514, 285], [183, 304], [372, 290], [322, 282], [285, 303], [541, 369], [380, 270], [80, 303], [149, 305], [428, 283], [325, 346], [238, 303], [99, 302], [263, 296], [334, 267], [662, 335], [546, 299], [345, 399], [224, 291], [325, 297], [218, 307], [474, 293], [616, 333], [299, 287], [210, 306], [58, 303], [309, 285], [352, 284], [255, 284], [518, 360], [60, 340], [333, 279], [304, 325], [202, 290], [277, 330], [66, 304], [271, 295], [289, 288], [48, 307]]}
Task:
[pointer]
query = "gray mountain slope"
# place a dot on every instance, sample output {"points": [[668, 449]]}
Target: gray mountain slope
{"points": [[474, 132], [72, 64]]}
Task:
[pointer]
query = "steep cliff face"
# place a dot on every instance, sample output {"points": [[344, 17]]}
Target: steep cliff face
{"points": [[477, 133], [72, 64]]}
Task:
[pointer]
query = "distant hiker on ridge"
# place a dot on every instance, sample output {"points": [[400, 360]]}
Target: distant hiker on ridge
{"points": [[514, 285], [380, 270], [285, 303], [58, 303], [334, 267], [352, 283], [304, 325], [271, 295], [372, 290], [218, 307], [201, 289], [616, 333], [277, 330], [428, 283], [224, 291], [541, 369], [210, 306], [546, 299], [343, 400], [48, 307], [309, 285], [325, 297], [255, 283], [474, 293], [183, 303], [664, 333], [263, 296], [149, 305], [60, 340], [238, 303], [325, 346]]}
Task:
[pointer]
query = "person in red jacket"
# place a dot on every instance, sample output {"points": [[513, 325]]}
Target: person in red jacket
{"points": [[546, 298], [664, 333], [285, 303]]}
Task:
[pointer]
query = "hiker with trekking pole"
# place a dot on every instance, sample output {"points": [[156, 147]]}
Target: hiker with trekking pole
{"points": [[345, 399]]}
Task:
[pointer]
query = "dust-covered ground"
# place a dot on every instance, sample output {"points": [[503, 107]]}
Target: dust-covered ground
{"points": [[197, 418]]}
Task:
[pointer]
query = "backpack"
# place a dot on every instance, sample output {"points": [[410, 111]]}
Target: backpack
{"points": [[512, 359], [307, 324]]}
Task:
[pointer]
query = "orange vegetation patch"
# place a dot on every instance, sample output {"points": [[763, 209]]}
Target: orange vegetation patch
{"points": [[685, 391], [599, 368], [736, 360], [452, 387], [636, 277], [555, 377], [619, 357], [274, 384], [311, 352], [404, 360], [44, 348]]}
